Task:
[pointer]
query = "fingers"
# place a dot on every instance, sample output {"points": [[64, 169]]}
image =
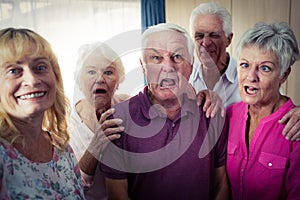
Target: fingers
{"points": [[295, 133], [114, 136], [110, 127], [223, 112], [289, 123], [213, 103], [106, 114], [105, 132], [204, 98], [111, 123], [214, 108], [200, 98], [114, 131], [285, 118], [218, 107], [208, 106], [291, 130]]}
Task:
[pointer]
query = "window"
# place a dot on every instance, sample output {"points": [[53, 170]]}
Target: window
{"points": [[70, 23]]}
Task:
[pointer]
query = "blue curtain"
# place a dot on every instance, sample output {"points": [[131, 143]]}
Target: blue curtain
{"points": [[153, 12]]}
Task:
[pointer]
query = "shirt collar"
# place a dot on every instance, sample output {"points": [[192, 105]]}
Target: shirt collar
{"points": [[196, 73], [188, 107], [231, 71]]}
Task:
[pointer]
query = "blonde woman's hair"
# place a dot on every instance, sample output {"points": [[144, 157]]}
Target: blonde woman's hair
{"points": [[15, 44]]}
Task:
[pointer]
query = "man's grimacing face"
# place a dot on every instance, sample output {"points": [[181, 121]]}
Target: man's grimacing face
{"points": [[167, 64], [210, 39]]}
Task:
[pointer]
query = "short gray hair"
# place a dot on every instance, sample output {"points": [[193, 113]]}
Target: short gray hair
{"points": [[171, 27], [276, 37], [87, 49], [212, 8]]}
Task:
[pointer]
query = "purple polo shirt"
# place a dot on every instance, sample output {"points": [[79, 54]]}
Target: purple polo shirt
{"points": [[270, 168], [163, 158]]}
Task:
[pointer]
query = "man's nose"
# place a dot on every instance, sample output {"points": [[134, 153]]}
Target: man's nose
{"points": [[206, 41], [168, 65]]}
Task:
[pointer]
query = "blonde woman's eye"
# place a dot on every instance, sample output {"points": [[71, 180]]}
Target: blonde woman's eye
{"points": [[41, 67], [14, 71]]}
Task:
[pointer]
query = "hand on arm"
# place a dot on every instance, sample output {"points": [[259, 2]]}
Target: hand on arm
{"points": [[117, 189], [291, 120], [106, 130], [212, 103]]}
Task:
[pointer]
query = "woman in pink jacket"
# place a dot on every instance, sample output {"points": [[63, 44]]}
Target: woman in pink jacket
{"points": [[262, 164]]}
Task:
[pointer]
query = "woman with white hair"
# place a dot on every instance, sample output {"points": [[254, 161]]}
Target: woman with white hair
{"points": [[261, 164], [98, 74]]}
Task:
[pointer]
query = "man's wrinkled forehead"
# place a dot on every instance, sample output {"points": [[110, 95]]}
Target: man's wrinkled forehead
{"points": [[166, 40], [208, 23]]}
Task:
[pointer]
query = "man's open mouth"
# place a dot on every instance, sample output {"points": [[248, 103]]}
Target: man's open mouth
{"points": [[167, 82]]}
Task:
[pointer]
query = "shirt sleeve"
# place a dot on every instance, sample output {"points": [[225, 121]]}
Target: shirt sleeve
{"points": [[221, 130], [112, 163], [87, 181]]}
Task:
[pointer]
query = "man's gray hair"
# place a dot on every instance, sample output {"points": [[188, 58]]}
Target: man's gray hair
{"points": [[212, 8], [171, 27]]}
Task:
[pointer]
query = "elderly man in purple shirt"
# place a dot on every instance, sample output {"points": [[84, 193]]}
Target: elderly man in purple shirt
{"points": [[169, 149]]}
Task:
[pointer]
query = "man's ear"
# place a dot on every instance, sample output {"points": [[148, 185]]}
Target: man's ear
{"points": [[229, 39], [142, 65], [144, 70], [285, 75]]}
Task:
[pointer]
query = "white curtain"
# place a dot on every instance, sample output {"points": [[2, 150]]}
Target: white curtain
{"points": [[67, 24]]}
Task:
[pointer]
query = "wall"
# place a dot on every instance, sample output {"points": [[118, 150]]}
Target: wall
{"points": [[246, 13]]}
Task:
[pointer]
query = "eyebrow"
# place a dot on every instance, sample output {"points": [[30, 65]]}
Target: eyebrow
{"points": [[7, 64], [212, 33], [21, 60], [267, 62], [156, 50], [263, 62], [40, 58], [88, 66], [111, 66]]}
